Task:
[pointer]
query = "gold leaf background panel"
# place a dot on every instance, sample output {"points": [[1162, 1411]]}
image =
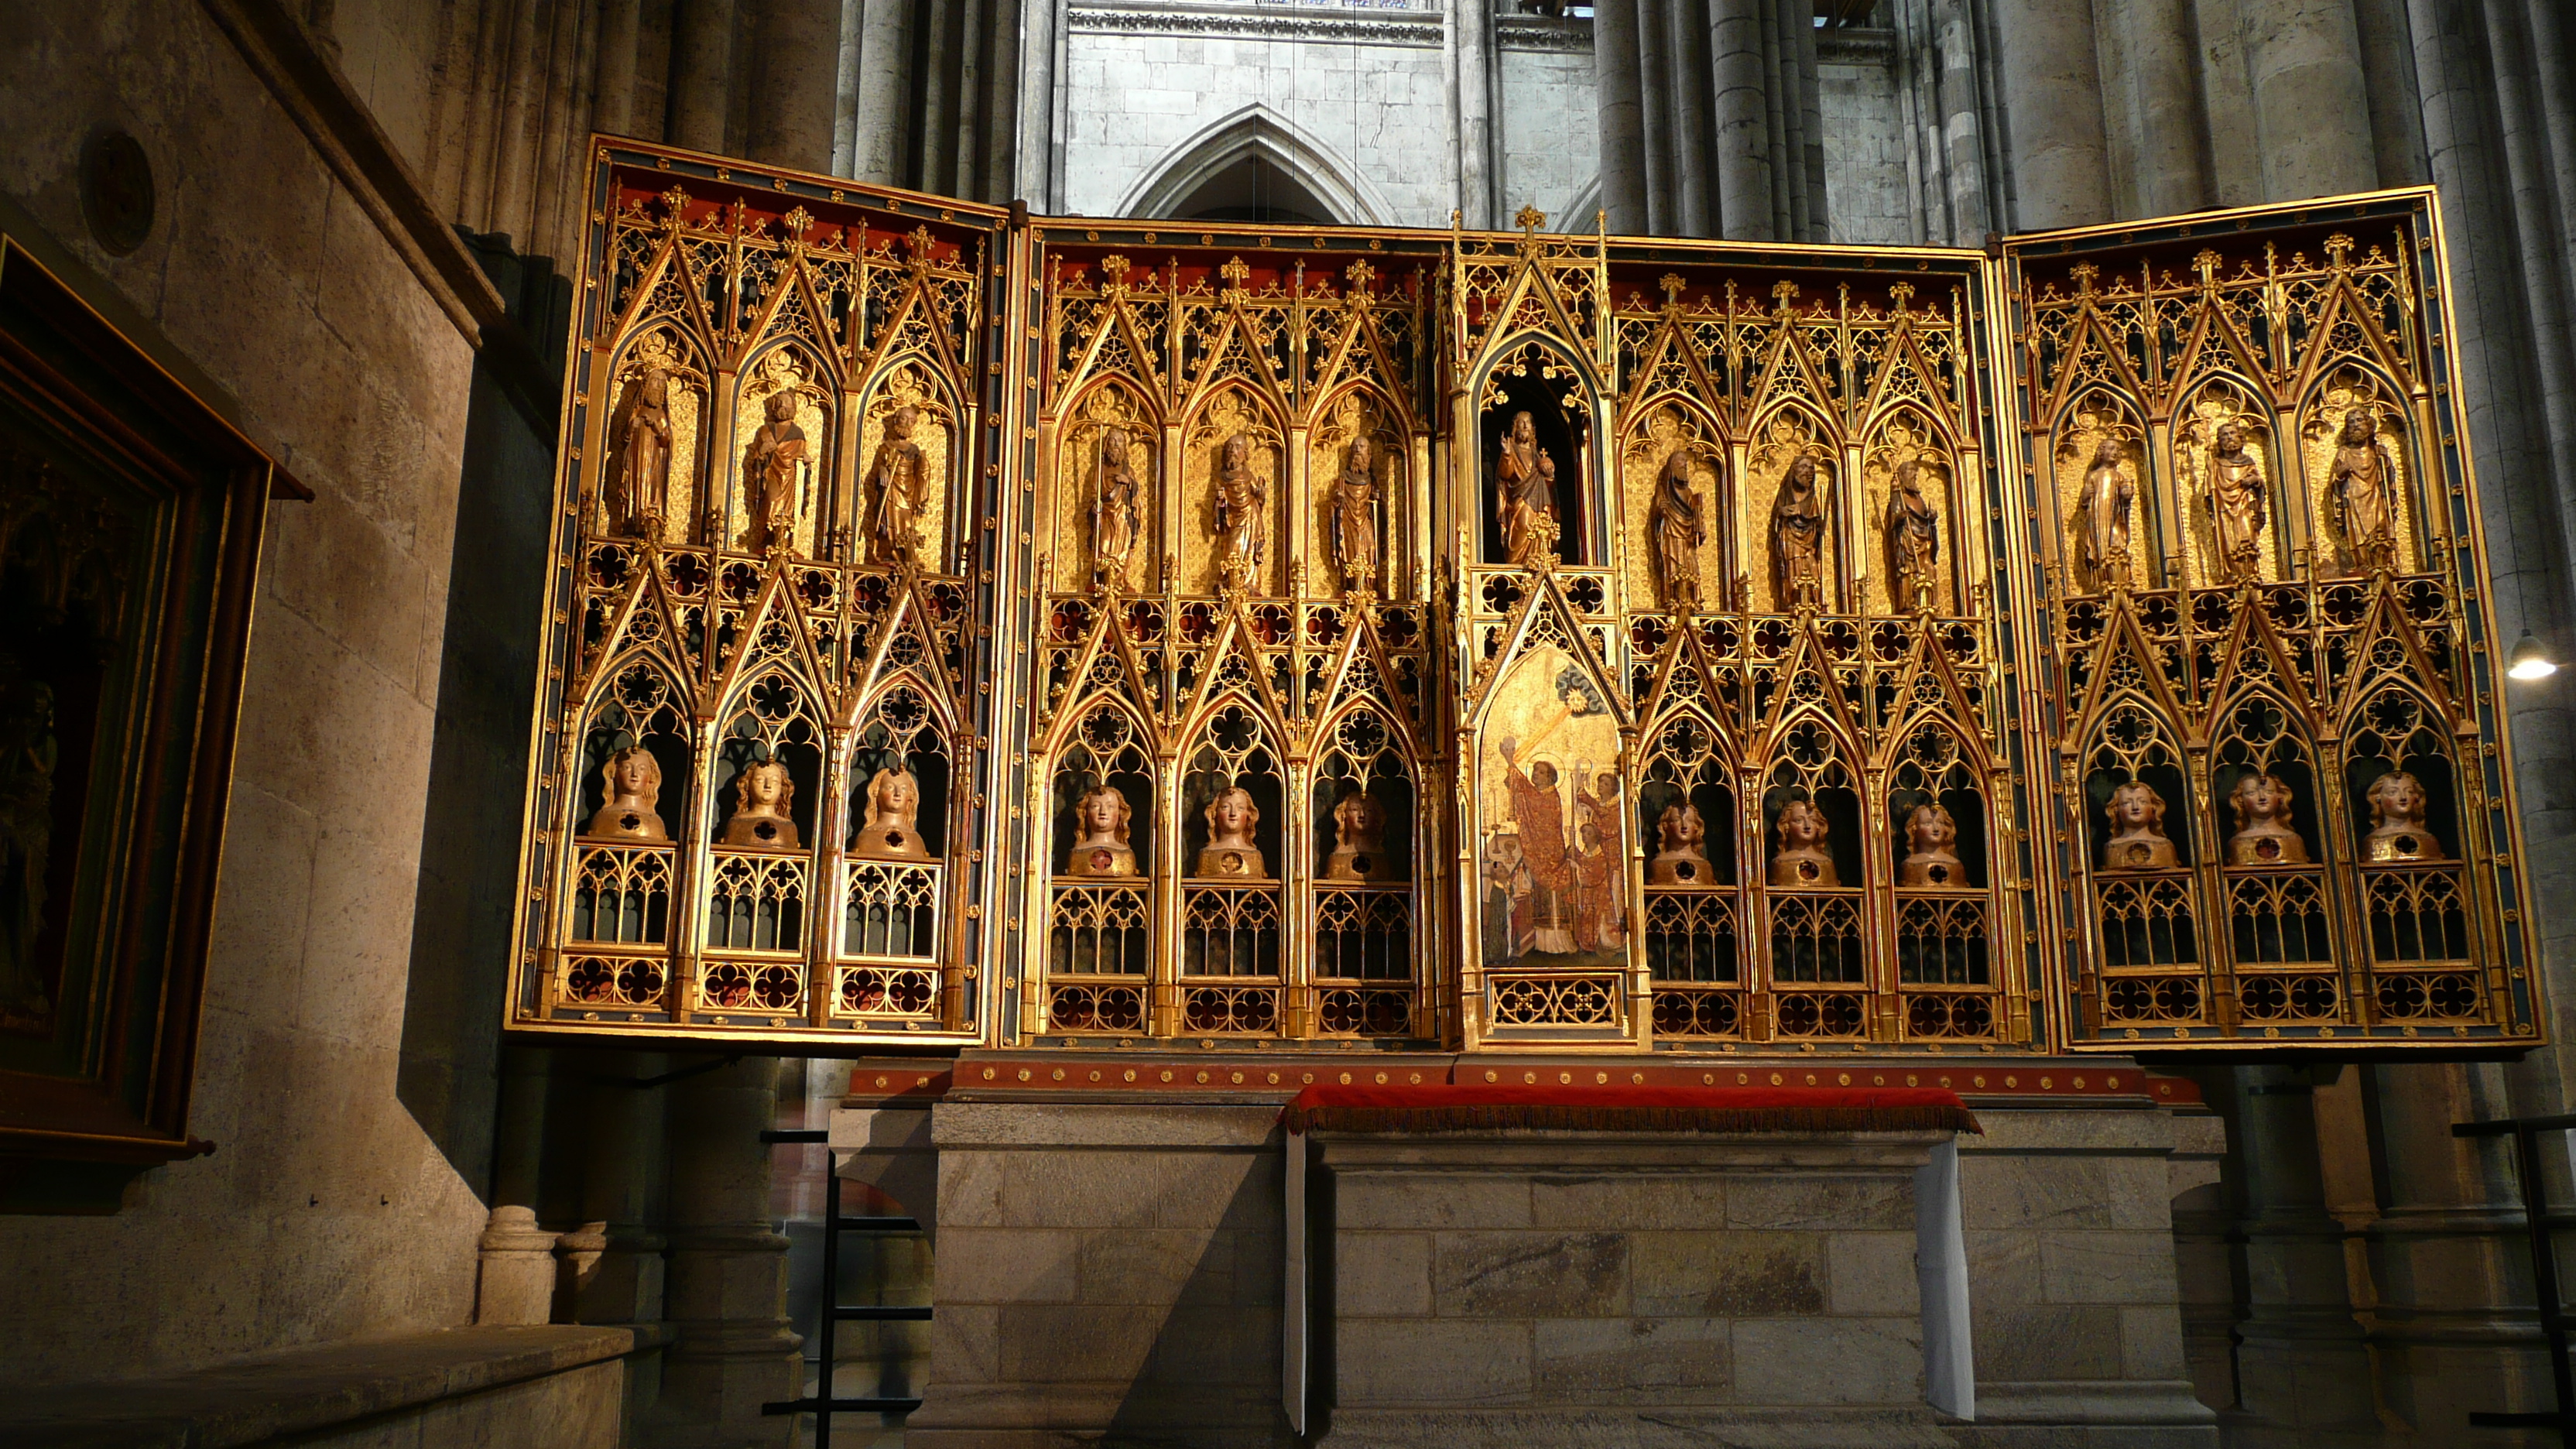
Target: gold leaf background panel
{"points": [[934, 431], [1665, 428]]}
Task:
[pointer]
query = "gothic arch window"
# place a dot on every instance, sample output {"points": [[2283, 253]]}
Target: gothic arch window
{"points": [[1256, 165]]}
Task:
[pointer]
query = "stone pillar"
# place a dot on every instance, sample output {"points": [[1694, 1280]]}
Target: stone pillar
{"points": [[728, 1268], [2310, 112], [2151, 124], [2227, 105], [999, 113], [2448, 1253], [2303, 1370], [613, 85], [879, 140], [515, 1276], [2396, 99], [1474, 36], [612, 1263], [1963, 126], [795, 46], [701, 73], [1811, 101], [1743, 134], [2051, 99], [1623, 136], [1792, 28], [1655, 72], [1686, 29]]}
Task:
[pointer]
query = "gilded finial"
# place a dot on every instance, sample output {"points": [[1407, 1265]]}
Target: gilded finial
{"points": [[1529, 218]]}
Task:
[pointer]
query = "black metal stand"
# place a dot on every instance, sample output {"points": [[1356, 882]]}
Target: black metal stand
{"points": [[2538, 1223], [833, 1313]]}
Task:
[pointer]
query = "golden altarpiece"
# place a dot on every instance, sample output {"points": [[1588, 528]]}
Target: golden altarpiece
{"points": [[971, 629]]}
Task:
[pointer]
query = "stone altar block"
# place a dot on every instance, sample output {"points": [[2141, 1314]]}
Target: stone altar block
{"points": [[1609, 1289]]}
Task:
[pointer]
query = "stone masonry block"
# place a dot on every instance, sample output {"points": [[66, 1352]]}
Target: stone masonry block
{"points": [[1628, 1202], [1421, 1361], [1873, 1273], [1829, 1361], [1529, 1274], [2151, 1343], [1157, 1266], [1795, 1201], [1633, 1360], [1426, 1200], [1382, 1275], [1217, 1345], [2047, 1341], [1001, 1265], [965, 1343], [2034, 1192], [1086, 1343], [2107, 1267], [1729, 1274]]}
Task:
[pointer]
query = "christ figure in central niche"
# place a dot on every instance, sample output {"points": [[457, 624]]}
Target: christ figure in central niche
{"points": [[1525, 494]]}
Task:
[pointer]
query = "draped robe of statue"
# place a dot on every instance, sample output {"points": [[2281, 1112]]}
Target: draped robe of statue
{"points": [[644, 480], [1798, 537], [2363, 485], [1679, 525], [1913, 542], [1242, 515], [1526, 478], [776, 462], [1355, 517], [2236, 506], [1115, 492], [901, 487], [2102, 521]]}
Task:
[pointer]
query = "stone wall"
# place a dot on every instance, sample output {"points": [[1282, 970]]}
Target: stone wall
{"points": [[1548, 120], [1147, 89], [1105, 1269], [1869, 191], [1576, 1288], [326, 1211]]}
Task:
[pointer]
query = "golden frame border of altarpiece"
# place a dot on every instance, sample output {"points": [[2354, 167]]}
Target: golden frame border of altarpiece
{"points": [[971, 629]]}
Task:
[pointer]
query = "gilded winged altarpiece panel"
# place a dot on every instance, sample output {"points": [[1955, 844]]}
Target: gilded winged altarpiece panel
{"points": [[975, 629], [2281, 790]]}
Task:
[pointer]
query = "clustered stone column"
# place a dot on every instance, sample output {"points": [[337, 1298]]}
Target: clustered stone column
{"points": [[1728, 131], [728, 1268]]}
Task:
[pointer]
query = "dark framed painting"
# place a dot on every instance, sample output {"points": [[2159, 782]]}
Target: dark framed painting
{"points": [[130, 521]]}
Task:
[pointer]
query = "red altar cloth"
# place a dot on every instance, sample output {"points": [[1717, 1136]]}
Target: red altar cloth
{"points": [[1473, 1108]]}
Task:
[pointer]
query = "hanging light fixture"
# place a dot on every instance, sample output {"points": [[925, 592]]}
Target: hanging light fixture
{"points": [[2529, 660]]}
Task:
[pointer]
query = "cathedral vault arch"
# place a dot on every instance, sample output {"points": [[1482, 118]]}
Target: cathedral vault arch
{"points": [[1257, 135]]}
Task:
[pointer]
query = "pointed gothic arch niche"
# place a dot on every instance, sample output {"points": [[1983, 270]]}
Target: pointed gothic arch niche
{"points": [[1536, 378], [2107, 541], [1256, 165], [635, 484]]}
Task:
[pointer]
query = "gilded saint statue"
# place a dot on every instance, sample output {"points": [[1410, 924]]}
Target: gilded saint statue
{"points": [[1116, 497], [778, 471], [1230, 850], [2102, 522], [1798, 537], [1525, 497], [642, 493], [2363, 487], [1355, 531], [1242, 515], [2397, 828], [898, 487], [1678, 523], [2236, 506], [891, 826], [2138, 840], [633, 787], [1682, 856], [763, 794], [1802, 859], [1913, 528], [1359, 839], [2263, 832], [1100, 846], [1932, 849]]}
